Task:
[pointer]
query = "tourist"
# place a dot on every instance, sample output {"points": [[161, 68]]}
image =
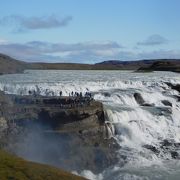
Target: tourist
{"points": [[30, 93], [72, 93], [60, 93]]}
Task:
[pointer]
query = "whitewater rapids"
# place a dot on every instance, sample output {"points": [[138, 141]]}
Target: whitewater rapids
{"points": [[134, 126]]}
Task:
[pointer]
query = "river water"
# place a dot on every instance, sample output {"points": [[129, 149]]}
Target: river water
{"points": [[135, 126]]}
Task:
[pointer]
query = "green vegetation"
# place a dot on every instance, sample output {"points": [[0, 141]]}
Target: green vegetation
{"points": [[14, 168]]}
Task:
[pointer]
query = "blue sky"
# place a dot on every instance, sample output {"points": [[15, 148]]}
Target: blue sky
{"points": [[89, 31]]}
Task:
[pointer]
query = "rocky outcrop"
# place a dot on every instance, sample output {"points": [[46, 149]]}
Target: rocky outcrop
{"points": [[171, 149], [62, 114], [174, 86], [139, 99], [54, 113], [75, 125], [166, 103], [162, 65]]}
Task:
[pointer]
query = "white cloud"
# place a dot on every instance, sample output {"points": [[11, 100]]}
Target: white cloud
{"points": [[84, 52], [21, 23], [152, 40], [3, 41]]}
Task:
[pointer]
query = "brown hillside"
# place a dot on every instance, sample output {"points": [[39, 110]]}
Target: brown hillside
{"points": [[10, 65]]}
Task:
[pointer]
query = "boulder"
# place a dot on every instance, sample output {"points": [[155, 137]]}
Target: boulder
{"points": [[166, 103], [139, 99], [175, 87]]}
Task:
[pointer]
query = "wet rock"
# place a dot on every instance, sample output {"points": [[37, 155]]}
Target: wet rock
{"points": [[166, 143], [175, 87], [106, 94], [152, 148], [166, 103], [139, 99], [174, 155], [177, 145], [165, 149], [148, 105], [177, 97], [164, 111]]}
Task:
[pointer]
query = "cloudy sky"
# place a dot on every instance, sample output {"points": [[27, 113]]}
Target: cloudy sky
{"points": [[89, 31]]}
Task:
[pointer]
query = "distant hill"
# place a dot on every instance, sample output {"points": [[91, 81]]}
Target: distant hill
{"points": [[12, 167], [126, 65], [162, 65], [10, 65]]}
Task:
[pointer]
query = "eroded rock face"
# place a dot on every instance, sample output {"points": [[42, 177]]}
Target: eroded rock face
{"points": [[68, 134], [3, 124], [73, 114]]}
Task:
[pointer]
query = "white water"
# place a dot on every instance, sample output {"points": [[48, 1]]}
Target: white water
{"points": [[135, 126]]}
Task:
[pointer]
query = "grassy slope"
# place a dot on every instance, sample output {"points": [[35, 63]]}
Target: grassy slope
{"points": [[12, 167]]}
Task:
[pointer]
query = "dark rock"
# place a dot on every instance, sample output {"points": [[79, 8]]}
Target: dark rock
{"points": [[148, 105], [106, 94], [177, 145], [79, 128], [163, 65], [139, 99], [175, 87], [166, 143], [177, 97], [174, 154], [166, 103], [152, 148]]}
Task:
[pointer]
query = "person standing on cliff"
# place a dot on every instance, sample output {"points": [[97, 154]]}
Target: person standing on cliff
{"points": [[60, 93]]}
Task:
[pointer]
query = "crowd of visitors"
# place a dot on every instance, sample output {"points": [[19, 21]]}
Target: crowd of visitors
{"points": [[51, 93], [75, 99]]}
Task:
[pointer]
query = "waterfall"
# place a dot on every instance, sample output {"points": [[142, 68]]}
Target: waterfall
{"points": [[140, 127]]}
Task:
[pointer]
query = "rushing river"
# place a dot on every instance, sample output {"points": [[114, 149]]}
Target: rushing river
{"points": [[135, 125]]}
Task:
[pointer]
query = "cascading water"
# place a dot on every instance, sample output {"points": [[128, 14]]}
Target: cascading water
{"points": [[135, 126]]}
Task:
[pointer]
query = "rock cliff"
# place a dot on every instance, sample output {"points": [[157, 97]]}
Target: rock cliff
{"points": [[75, 125]]}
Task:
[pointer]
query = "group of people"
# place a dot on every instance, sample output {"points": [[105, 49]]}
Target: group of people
{"points": [[51, 93], [78, 94], [75, 99]]}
